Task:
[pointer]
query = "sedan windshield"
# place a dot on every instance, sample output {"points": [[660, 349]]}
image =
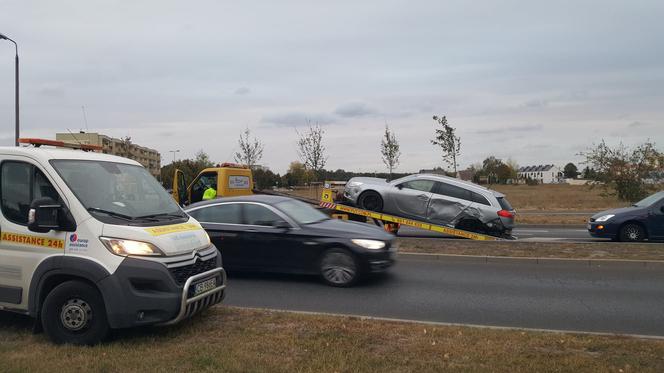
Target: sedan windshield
{"points": [[650, 200], [301, 212], [118, 192]]}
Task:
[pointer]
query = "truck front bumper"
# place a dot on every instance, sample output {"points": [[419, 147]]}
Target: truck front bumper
{"points": [[146, 292]]}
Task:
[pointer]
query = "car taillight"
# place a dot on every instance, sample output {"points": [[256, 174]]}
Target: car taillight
{"points": [[506, 214]]}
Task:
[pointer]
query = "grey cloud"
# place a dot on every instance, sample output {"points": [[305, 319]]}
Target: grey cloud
{"points": [[524, 128], [637, 124], [51, 92], [294, 119], [354, 109], [242, 91], [536, 103]]}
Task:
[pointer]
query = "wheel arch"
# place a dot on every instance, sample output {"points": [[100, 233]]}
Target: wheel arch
{"points": [[55, 271]]}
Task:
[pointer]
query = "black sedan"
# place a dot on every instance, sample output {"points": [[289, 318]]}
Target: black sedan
{"points": [[643, 220], [281, 234]]}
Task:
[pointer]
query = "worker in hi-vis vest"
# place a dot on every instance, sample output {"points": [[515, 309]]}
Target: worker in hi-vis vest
{"points": [[210, 193]]}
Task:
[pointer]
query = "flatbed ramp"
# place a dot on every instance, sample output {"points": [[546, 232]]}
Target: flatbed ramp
{"points": [[327, 201]]}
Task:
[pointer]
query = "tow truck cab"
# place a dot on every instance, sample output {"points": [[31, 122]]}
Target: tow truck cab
{"points": [[91, 242], [229, 180]]}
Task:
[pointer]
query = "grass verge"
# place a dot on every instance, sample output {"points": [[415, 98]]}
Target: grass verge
{"points": [[243, 340], [594, 250]]}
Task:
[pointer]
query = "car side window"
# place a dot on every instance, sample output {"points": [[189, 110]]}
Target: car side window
{"points": [[21, 184], [452, 191], [259, 215], [421, 185], [228, 213], [478, 198]]}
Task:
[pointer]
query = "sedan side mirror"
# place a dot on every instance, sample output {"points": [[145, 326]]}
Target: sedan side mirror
{"points": [[46, 214], [400, 186], [281, 224]]}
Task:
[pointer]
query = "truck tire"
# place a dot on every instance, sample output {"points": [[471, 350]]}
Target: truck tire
{"points": [[74, 312], [339, 268]]}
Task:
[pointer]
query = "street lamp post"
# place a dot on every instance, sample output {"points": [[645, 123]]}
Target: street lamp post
{"points": [[174, 151], [3, 37]]}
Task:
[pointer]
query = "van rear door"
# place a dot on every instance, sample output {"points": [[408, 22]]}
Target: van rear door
{"points": [[179, 187]]}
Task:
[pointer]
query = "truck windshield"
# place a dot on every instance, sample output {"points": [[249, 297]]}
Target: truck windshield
{"points": [[118, 193]]}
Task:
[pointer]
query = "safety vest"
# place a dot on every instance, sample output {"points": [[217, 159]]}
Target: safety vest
{"points": [[210, 193]]}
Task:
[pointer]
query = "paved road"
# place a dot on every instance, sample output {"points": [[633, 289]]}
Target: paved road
{"points": [[535, 233], [617, 298]]}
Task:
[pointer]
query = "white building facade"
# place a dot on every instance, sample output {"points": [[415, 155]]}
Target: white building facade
{"points": [[547, 174]]}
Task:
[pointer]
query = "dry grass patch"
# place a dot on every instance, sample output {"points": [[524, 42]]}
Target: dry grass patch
{"points": [[560, 197], [592, 250], [242, 340]]}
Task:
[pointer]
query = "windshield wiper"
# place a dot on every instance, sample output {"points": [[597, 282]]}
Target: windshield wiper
{"points": [[111, 213], [164, 214]]}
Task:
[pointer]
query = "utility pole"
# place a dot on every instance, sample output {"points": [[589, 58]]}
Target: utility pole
{"points": [[16, 134]]}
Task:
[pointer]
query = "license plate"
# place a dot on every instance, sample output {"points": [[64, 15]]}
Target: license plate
{"points": [[205, 286]]}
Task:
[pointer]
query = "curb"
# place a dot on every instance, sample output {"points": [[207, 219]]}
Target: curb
{"points": [[534, 260], [453, 324]]}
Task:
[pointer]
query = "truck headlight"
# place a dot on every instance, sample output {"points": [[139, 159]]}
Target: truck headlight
{"points": [[128, 247], [604, 217], [369, 244]]}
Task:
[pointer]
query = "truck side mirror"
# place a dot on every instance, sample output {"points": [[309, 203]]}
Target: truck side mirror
{"points": [[46, 214]]}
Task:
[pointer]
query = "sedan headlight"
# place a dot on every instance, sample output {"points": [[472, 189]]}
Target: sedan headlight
{"points": [[355, 184], [129, 247], [369, 244], [604, 217]]}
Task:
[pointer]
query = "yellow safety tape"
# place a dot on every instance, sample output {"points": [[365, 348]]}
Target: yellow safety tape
{"points": [[158, 231], [30, 240]]}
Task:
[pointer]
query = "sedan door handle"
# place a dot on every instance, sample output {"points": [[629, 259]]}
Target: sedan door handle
{"points": [[423, 197]]}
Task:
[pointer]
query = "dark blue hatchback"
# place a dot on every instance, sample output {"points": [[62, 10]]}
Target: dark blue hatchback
{"points": [[643, 220]]}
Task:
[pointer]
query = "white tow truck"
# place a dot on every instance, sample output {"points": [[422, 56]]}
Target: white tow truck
{"points": [[91, 242]]}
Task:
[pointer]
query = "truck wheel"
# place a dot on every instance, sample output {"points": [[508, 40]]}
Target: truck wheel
{"points": [[632, 233], [339, 268], [371, 200], [73, 312]]}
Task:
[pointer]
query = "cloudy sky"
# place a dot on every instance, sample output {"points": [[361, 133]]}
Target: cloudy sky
{"points": [[532, 80]]}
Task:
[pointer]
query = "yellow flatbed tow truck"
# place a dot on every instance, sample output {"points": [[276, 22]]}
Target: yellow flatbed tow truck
{"points": [[392, 223]]}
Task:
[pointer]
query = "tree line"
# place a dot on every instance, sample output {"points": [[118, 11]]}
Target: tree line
{"points": [[628, 174]]}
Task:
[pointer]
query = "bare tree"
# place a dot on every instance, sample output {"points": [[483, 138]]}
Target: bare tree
{"points": [[251, 151], [389, 148], [448, 142], [125, 143], [310, 148]]}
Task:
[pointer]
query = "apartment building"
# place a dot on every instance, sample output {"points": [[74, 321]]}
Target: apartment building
{"points": [[149, 158]]}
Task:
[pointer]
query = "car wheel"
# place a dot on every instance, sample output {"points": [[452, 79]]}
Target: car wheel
{"points": [[632, 233], [74, 312], [371, 201], [339, 268]]}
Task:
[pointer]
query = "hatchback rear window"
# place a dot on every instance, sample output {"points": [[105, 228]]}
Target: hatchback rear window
{"points": [[504, 204]]}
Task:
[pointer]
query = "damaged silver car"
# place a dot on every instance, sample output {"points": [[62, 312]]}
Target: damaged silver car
{"points": [[436, 199]]}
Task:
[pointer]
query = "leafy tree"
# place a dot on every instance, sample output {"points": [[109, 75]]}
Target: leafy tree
{"points": [[189, 167], [631, 175], [251, 151], [297, 174], [265, 179], [311, 149], [588, 173], [389, 149], [570, 171], [448, 142]]}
